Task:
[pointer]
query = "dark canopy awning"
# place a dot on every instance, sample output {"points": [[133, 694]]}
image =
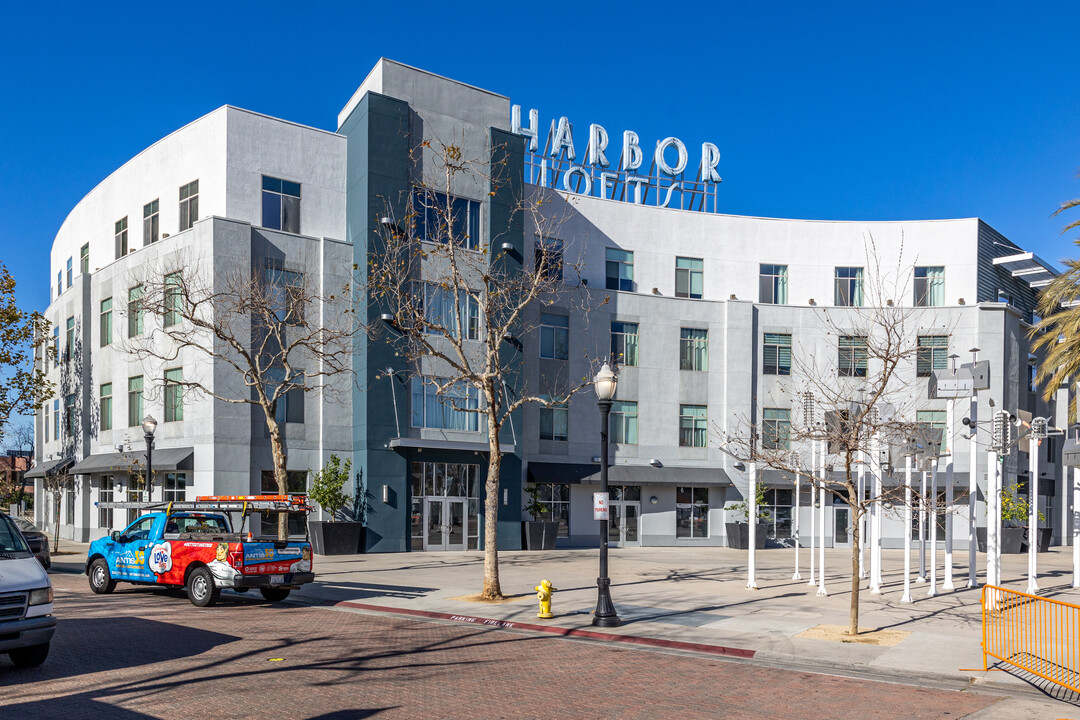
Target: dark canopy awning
{"points": [[589, 474], [164, 459], [52, 467]]}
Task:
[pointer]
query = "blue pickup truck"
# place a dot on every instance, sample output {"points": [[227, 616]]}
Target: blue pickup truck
{"points": [[200, 552]]}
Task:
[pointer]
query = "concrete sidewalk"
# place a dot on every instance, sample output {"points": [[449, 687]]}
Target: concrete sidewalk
{"points": [[699, 596]]}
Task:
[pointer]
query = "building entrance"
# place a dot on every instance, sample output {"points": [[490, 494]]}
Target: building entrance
{"points": [[445, 524], [623, 521], [445, 506]]}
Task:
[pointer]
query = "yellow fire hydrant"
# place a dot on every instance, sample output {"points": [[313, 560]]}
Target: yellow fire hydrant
{"points": [[543, 594]]}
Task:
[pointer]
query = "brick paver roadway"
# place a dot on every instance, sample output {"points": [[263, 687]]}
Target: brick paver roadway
{"points": [[147, 653]]}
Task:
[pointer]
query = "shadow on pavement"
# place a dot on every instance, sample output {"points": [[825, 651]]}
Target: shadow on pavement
{"points": [[352, 714]]}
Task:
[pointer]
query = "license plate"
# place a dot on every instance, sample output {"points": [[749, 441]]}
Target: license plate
{"points": [[277, 579]]}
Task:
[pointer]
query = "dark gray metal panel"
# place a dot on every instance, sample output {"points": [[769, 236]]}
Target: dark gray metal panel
{"points": [[992, 278]]}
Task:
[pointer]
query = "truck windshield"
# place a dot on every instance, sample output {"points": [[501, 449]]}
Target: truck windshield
{"points": [[11, 540], [201, 525]]}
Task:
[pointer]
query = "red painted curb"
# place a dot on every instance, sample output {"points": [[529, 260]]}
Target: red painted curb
{"points": [[565, 632]]}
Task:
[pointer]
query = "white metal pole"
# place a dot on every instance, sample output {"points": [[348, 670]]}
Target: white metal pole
{"points": [[795, 528], [821, 526], [993, 519], [862, 519], [875, 518], [813, 515], [906, 597], [1076, 527], [973, 487], [1033, 515], [933, 527], [751, 502], [950, 428], [922, 528]]}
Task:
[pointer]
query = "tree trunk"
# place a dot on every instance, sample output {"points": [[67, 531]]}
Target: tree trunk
{"points": [[856, 539], [492, 589], [281, 476]]}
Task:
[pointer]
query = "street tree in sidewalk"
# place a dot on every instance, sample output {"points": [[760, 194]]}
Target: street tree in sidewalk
{"points": [[461, 303], [261, 336], [23, 335], [859, 401]]}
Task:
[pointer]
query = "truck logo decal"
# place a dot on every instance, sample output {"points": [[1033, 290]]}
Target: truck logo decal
{"points": [[161, 558]]}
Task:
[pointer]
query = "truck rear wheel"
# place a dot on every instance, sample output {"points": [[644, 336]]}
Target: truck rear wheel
{"points": [[101, 581], [29, 657], [274, 594], [201, 590]]}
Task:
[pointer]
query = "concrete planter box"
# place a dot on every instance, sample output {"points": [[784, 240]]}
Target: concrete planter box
{"points": [[539, 534], [1013, 540], [738, 536], [336, 538]]}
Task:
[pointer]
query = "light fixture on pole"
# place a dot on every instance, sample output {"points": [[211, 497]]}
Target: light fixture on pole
{"points": [[149, 425], [605, 615]]}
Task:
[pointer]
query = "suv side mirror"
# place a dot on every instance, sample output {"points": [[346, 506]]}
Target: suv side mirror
{"points": [[115, 536]]}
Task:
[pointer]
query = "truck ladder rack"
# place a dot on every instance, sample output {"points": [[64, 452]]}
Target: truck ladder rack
{"points": [[237, 505]]}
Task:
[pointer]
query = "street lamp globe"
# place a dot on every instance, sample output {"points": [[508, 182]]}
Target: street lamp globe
{"points": [[605, 381], [149, 424]]}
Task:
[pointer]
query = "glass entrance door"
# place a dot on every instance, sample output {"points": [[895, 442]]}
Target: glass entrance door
{"points": [[623, 524], [444, 524], [841, 527]]}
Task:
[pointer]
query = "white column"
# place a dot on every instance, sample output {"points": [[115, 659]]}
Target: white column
{"points": [[906, 597], [751, 543], [1076, 527], [922, 528], [821, 529], [862, 518], [950, 429], [875, 518], [813, 513], [933, 527], [993, 519], [795, 528], [1033, 516], [973, 489]]}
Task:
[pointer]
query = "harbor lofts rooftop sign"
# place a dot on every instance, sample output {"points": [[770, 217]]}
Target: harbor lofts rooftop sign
{"points": [[664, 184]]}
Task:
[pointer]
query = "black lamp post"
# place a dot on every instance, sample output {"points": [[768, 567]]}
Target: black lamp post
{"points": [[149, 425], [605, 615]]}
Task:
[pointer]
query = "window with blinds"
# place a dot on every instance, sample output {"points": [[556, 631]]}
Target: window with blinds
{"points": [[851, 356], [777, 354], [932, 354]]}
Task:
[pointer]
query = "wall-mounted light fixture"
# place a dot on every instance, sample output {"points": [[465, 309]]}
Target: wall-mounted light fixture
{"points": [[656, 463], [385, 494], [653, 500], [506, 496]]}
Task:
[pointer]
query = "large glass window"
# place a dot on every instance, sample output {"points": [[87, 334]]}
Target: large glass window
{"points": [[450, 410], [776, 354], [69, 337], [934, 420], [121, 237], [549, 259], [624, 344], [135, 401], [689, 277], [295, 482], [553, 421], [776, 429], [691, 512], [772, 284], [438, 218], [173, 300], [105, 406], [105, 322], [286, 294], [84, 259], [69, 415], [70, 273], [441, 307], [280, 204], [778, 506], [135, 311], [59, 282], [174, 395], [694, 349], [929, 286], [430, 479], [56, 418], [849, 287], [174, 487], [624, 422], [290, 406], [554, 336], [555, 497], [693, 426], [851, 356], [151, 224], [189, 204], [932, 354], [620, 269]]}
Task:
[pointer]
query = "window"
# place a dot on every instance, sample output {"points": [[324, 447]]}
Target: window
{"points": [[934, 420], [84, 259], [772, 284], [290, 406], [173, 300], [929, 286], [620, 270], [691, 512], [105, 322], [280, 204], [778, 504], [45, 417], [555, 497], [776, 429], [624, 343], [693, 428], [439, 218], [554, 336], [56, 346], [549, 259], [174, 395], [689, 277], [69, 415], [776, 355], [105, 495], [69, 273], [136, 492], [553, 421], [295, 482], [135, 401], [56, 418], [694, 349], [286, 291], [69, 338], [140, 529], [121, 233], [189, 204], [932, 354], [150, 223], [849, 287], [449, 411], [105, 406], [441, 311], [624, 420], [69, 505], [175, 487], [135, 311], [851, 356], [59, 282]]}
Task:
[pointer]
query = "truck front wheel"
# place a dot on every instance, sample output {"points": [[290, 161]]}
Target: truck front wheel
{"points": [[101, 581], [274, 594], [201, 590], [29, 657]]}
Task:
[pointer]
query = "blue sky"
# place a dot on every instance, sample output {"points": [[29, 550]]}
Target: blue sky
{"points": [[820, 110]]}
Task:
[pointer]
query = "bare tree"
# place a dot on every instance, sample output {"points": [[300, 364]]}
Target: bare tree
{"points": [[862, 408], [273, 331], [461, 303]]}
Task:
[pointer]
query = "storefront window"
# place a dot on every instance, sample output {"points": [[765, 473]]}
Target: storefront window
{"points": [[778, 502], [691, 512]]}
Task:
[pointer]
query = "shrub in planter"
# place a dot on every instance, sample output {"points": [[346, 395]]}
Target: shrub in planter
{"points": [[538, 534], [738, 533], [333, 537], [1014, 517]]}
